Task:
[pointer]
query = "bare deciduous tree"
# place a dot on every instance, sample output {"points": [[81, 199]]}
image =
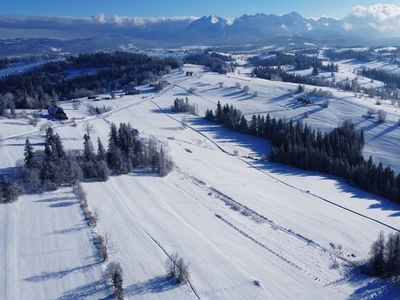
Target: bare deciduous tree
{"points": [[88, 128], [177, 268], [104, 245]]}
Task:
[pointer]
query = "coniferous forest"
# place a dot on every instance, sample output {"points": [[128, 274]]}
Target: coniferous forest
{"points": [[80, 76], [52, 167], [337, 153]]}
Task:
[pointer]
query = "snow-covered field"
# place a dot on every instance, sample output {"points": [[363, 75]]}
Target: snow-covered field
{"points": [[234, 218]]}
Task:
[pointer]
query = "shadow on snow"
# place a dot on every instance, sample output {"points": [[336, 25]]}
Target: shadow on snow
{"points": [[155, 285]]}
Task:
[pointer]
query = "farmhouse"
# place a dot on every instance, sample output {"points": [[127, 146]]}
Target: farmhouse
{"points": [[57, 112], [129, 90]]}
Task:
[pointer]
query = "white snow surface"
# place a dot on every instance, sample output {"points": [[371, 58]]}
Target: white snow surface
{"points": [[236, 219]]}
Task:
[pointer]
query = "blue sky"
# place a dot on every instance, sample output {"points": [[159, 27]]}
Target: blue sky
{"points": [[172, 8]]}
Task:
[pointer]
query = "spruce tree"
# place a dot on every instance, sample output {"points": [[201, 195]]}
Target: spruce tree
{"points": [[28, 153]]}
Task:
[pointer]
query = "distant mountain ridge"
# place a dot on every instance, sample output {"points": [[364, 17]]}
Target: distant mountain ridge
{"points": [[168, 32]]}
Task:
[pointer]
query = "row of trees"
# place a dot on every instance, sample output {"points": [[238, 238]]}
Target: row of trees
{"points": [[99, 72], [338, 152]]}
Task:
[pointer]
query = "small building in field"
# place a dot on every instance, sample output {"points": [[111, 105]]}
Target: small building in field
{"points": [[129, 90], [57, 112]]}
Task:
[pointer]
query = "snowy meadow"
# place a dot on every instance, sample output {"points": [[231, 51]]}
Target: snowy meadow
{"points": [[248, 228]]}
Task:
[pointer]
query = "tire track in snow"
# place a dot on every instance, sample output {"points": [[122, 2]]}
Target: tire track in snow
{"points": [[258, 218], [133, 216], [265, 247], [166, 253]]}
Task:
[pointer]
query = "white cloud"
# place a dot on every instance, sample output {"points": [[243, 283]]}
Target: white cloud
{"points": [[101, 18], [382, 17]]}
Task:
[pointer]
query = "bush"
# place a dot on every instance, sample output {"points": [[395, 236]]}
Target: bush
{"points": [[370, 112], [326, 103], [177, 268], [381, 115], [9, 191]]}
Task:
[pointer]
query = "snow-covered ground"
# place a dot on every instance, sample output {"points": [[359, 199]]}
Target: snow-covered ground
{"points": [[234, 218]]}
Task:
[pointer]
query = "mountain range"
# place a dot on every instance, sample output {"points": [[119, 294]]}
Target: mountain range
{"points": [[100, 32]]}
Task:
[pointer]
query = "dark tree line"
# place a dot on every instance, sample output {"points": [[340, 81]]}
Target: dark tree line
{"points": [[391, 81], [50, 168], [299, 61], [338, 153], [277, 72], [97, 73], [341, 54], [216, 62], [6, 62]]}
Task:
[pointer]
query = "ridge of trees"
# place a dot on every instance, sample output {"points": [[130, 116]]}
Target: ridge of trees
{"points": [[80, 76], [337, 153]]}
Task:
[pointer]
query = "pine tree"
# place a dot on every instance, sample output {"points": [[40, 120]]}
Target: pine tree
{"points": [[28, 153], [377, 255], [101, 152]]}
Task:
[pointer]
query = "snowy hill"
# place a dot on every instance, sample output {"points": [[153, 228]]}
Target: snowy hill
{"points": [[248, 228]]}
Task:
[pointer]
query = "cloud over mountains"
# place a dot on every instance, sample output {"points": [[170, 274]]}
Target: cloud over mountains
{"points": [[382, 17], [382, 20]]}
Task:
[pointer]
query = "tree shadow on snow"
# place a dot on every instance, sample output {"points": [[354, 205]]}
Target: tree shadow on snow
{"points": [[373, 288], [55, 199], [341, 184], [255, 145], [233, 94], [44, 276], [91, 290], [74, 229], [63, 204], [387, 130], [155, 285]]}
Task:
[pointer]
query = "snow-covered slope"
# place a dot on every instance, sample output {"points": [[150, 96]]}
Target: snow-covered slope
{"points": [[237, 220]]}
